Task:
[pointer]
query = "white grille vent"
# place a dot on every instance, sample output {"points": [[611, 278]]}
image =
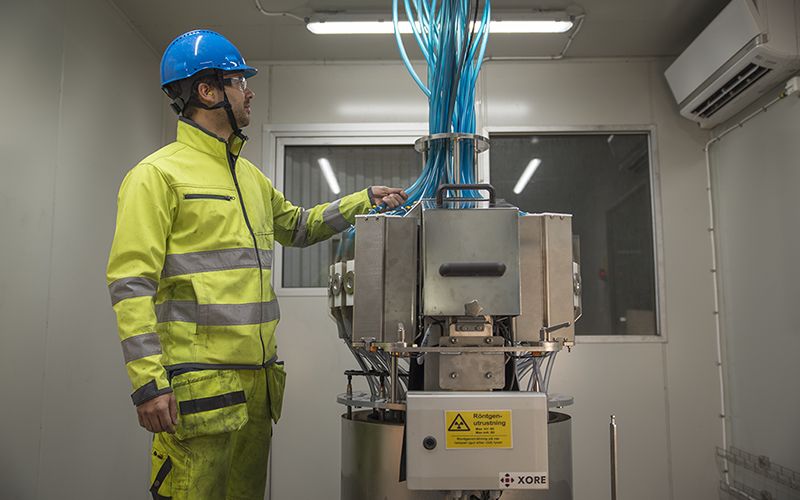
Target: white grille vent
{"points": [[732, 88]]}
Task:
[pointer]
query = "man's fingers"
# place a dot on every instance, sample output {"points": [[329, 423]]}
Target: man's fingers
{"points": [[397, 191], [165, 420], [150, 422], [393, 200], [381, 192]]}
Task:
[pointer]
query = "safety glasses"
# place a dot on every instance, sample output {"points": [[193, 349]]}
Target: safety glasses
{"points": [[236, 81]]}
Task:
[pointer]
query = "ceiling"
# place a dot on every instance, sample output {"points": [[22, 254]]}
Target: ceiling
{"points": [[612, 28]]}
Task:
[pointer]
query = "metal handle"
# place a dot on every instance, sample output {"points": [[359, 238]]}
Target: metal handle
{"points": [[472, 269], [481, 187]]}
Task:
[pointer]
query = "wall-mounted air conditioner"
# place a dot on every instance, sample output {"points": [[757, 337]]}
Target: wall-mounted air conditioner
{"points": [[751, 46]]}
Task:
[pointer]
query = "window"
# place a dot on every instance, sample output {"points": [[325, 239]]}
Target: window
{"points": [[314, 166], [605, 181]]}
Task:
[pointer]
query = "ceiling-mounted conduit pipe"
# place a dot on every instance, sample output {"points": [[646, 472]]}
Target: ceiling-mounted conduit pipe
{"points": [[271, 13], [578, 20], [712, 228]]}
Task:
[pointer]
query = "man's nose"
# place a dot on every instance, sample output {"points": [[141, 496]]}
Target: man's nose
{"points": [[248, 93]]}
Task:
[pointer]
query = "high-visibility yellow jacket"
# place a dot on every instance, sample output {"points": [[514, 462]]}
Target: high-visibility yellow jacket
{"points": [[190, 266]]}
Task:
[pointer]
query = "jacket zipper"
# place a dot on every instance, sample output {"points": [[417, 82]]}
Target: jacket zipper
{"points": [[198, 196], [232, 164]]}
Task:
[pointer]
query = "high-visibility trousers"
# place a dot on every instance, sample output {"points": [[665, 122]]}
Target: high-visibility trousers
{"points": [[222, 452]]}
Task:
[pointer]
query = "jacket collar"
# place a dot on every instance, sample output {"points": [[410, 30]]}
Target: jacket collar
{"points": [[197, 137]]}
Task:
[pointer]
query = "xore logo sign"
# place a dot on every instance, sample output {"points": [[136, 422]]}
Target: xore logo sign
{"points": [[523, 480]]}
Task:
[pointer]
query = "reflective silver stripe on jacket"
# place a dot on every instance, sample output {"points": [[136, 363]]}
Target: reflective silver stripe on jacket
{"points": [[141, 346], [300, 238], [218, 314], [214, 260], [334, 218], [125, 288]]}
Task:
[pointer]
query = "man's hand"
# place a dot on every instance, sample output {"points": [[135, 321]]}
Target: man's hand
{"points": [[391, 197], [159, 414]]}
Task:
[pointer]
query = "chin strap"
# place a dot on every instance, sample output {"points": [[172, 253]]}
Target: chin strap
{"points": [[179, 104], [228, 109]]}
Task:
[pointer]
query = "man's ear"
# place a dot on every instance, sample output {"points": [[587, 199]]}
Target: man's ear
{"points": [[206, 93]]}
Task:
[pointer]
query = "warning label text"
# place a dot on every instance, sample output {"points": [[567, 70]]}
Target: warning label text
{"points": [[478, 429]]}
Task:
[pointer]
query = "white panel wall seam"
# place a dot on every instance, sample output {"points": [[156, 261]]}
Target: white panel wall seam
{"points": [[659, 251], [53, 190], [668, 422], [133, 27]]}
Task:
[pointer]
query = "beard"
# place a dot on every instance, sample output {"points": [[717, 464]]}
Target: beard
{"points": [[242, 118]]}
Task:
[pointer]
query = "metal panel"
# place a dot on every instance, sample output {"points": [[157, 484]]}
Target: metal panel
{"points": [[488, 235], [471, 372], [385, 281], [368, 293], [559, 283], [531, 263], [547, 276], [400, 271], [479, 469]]}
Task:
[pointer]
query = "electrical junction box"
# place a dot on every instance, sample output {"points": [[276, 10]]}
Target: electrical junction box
{"points": [[476, 441]]}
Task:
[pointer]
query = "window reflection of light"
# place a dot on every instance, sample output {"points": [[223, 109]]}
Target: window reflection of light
{"points": [[330, 178], [526, 175]]}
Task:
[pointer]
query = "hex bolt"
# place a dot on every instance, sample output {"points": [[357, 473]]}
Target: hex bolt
{"points": [[453, 374], [488, 375], [453, 340], [489, 340]]}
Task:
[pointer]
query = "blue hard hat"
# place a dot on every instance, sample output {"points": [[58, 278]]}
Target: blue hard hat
{"points": [[197, 50]]}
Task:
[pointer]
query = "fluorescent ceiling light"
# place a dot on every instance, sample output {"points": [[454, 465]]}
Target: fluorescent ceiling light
{"points": [[356, 27], [327, 172], [526, 175], [533, 26], [386, 27]]}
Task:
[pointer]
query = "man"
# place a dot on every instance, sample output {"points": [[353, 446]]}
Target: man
{"points": [[189, 277]]}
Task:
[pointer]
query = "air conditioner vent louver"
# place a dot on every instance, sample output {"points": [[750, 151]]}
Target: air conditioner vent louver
{"points": [[733, 87]]}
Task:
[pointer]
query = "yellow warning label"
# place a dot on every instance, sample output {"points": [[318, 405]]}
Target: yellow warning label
{"points": [[478, 429]]}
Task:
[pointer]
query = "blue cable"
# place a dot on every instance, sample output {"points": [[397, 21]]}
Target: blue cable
{"points": [[449, 39]]}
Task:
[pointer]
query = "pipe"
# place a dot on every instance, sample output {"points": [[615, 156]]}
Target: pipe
{"points": [[612, 434], [712, 228], [560, 55], [270, 13], [395, 388]]}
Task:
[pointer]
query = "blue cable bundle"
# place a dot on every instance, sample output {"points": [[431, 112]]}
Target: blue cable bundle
{"points": [[453, 41]]}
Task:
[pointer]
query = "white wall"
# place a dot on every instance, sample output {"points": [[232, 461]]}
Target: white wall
{"points": [[665, 395], [756, 186], [81, 106]]}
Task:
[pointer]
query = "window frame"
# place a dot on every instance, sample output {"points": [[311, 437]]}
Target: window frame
{"points": [[655, 206], [277, 137]]}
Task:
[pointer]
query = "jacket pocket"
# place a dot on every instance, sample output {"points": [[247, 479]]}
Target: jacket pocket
{"points": [[205, 196], [276, 383], [209, 402]]}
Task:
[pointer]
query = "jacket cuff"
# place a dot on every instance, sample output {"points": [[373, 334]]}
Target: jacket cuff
{"points": [[147, 392]]}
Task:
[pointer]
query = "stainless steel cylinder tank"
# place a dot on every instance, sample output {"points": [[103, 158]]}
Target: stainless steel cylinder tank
{"points": [[372, 449]]}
